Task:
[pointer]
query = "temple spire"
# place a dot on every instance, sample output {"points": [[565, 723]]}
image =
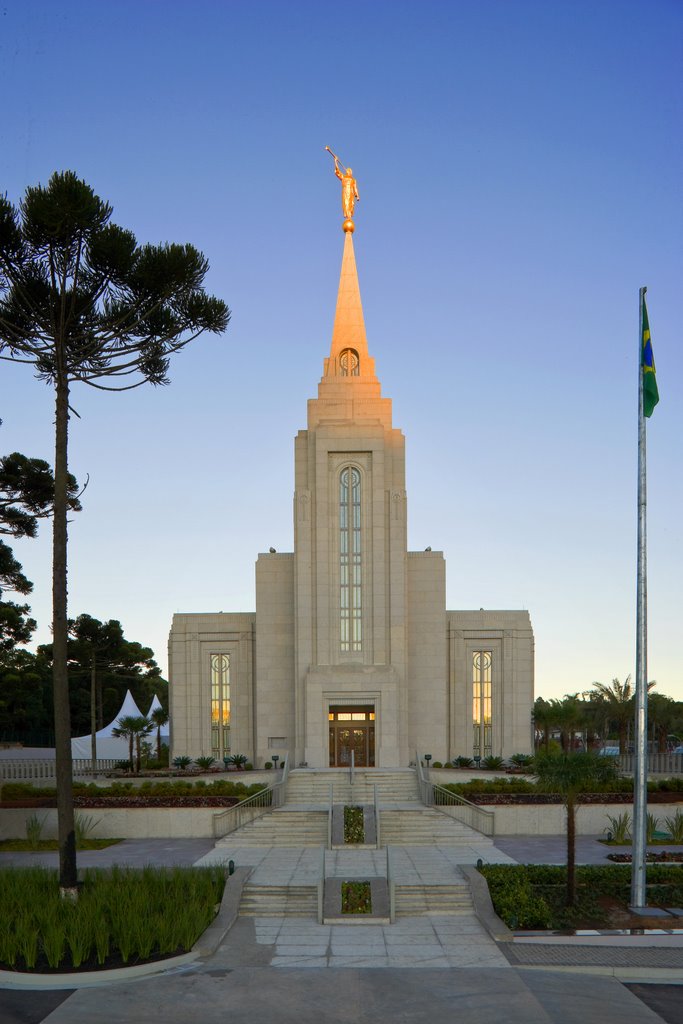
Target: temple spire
{"points": [[349, 350]]}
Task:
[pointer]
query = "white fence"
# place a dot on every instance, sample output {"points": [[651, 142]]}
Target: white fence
{"points": [[15, 768], [658, 764]]}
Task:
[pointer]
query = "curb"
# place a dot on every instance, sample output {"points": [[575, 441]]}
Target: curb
{"points": [[207, 944]]}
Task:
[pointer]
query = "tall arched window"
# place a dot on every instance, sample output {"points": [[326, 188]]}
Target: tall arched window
{"points": [[220, 705], [481, 703], [350, 564]]}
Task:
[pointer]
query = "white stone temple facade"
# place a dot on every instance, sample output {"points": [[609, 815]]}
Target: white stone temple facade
{"points": [[351, 647]]}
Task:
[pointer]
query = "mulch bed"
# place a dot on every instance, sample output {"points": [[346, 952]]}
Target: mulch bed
{"points": [[584, 798], [665, 857], [130, 802]]}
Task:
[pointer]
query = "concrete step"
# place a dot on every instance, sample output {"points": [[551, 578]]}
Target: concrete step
{"points": [[283, 828], [415, 900], [425, 827], [398, 786], [273, 900]]}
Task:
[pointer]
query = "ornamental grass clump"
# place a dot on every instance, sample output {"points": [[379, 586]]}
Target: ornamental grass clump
{"points": [[122, 916], [34, 831], [620, 827], [675, 827]]}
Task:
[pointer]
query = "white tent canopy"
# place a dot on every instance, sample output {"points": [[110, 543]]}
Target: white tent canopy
{"points": [[108, 745]]}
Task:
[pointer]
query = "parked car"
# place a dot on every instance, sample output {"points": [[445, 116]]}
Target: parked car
{"points": [[677, 750], [609, 751]]}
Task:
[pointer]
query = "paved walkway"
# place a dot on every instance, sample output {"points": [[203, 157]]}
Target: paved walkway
{"points": [[432, 968]]}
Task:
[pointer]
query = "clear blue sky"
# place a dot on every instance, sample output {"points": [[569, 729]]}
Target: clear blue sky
{"points": [[519, 164]]}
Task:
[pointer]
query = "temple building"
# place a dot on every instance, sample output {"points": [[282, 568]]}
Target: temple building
{"points": [[351, 647]]}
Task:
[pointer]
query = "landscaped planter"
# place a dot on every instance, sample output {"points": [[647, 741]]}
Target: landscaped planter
{"points": [[550, 819], [120, 822]]}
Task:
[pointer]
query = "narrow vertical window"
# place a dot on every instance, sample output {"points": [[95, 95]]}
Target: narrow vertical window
{"points": [[350, 564], [220, 705], [481, 703]]}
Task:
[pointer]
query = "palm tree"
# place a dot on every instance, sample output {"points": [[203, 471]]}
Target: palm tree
{"points": [[125, 730], [133, 728], [620, 705], [159, 717], [544, 719], [570, 774]]}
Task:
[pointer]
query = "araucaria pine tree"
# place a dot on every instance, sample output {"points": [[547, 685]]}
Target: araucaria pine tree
{"points": [[81, 301]]}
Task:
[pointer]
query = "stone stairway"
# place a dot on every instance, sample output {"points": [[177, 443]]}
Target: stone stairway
{"points": [[415, 900], [423, 826], [282, 827], [396, 786], [275, 900]]}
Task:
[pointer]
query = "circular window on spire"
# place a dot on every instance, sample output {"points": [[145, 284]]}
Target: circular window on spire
{"points": [[349, 363]]}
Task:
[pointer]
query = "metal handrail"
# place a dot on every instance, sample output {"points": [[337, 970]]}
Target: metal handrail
{"points": [[255, 806], [464, 810], [321, 888], [329, 818]]}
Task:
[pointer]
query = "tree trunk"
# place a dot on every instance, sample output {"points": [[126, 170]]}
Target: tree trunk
{"points": [[60, 677], [93, 714], [159, 744], [571, 850]]}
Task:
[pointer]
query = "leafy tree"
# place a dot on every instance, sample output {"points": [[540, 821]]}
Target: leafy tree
{"points": [[27, 490], [82, 302], [26, 712], [570, 774], [102, 666], [663, 715]]}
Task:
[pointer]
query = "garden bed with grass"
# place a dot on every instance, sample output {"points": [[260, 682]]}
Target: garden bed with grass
{"points": [[533, 897], [122, 917]]}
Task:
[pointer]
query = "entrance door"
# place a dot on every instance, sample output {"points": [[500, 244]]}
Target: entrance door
{"points": [[352, 730]]}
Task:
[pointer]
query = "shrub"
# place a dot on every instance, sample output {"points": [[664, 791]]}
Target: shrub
{"points": [[204, 762], [437, 764], [268, 765], [651, 825], [34, 830], [513, 897], [182, 762], [675, 827], [123, 766], [463, 762], [522, 760], [620, 827], [83, 826], [238, 760], [492, 763]]}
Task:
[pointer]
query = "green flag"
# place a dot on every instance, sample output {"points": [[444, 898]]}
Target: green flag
{"points": [[647, 363]]}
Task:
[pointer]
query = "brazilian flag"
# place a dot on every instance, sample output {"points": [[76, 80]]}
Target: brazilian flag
{"points": [[647, 362]]}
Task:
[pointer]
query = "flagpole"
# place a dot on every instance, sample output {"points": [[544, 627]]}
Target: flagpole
{"points": [[639, 850]]}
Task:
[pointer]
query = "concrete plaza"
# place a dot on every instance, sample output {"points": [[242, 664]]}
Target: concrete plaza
{"points": [[435, 967]]}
